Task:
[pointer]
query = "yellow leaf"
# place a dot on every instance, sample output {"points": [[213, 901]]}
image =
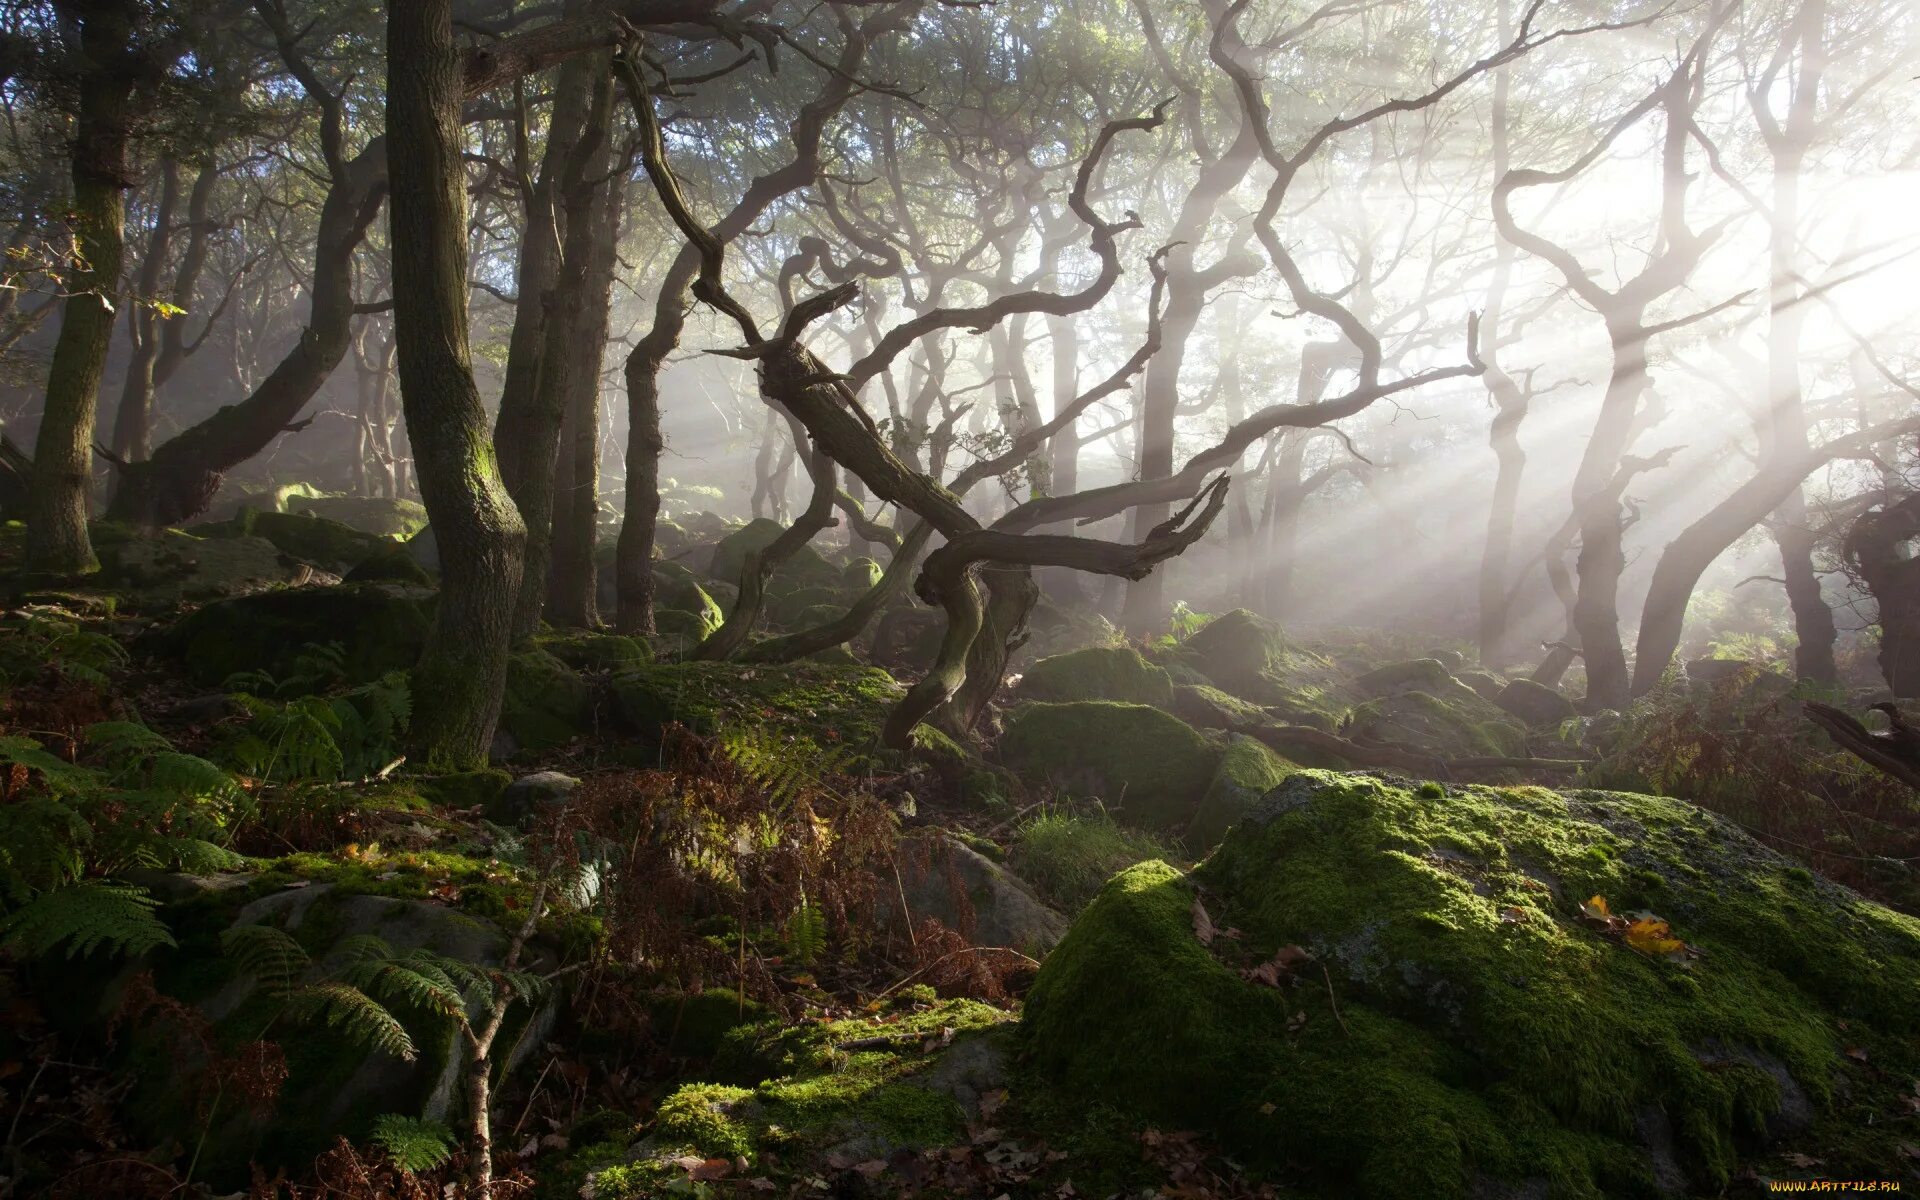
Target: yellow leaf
{"points": [[1652, 936], [1596, 908]]}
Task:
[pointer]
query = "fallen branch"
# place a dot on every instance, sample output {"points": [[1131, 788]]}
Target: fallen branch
{"points": [[1895, 753]]}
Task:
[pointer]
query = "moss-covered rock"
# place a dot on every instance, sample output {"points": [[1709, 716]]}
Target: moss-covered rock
{"points": [[1460, 726], [547, 703], [1098, 673], [1427, 675], [392, 562], [1247, 771], [369, 514], [305, 536], [1204, 706], [822, 705], [380, 627], [1461, 1029], [1247, 656], [860, 574], [806, 567], [171, 568], [678, 588], [587, 650], [1147, 765], [1535, 703]]}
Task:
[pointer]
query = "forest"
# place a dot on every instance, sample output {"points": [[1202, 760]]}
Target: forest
{"points": [[1149, 599]]}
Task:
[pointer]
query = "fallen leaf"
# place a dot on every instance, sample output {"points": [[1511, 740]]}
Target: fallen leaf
{"points": [[1856, 1054], [1202, 923], [710, 1169], [1910, 1150], [1804, 1162], [760, 1183], [873, 1168], [1595, 909], [1267, 1109], [1653, 937], [1514, 915], [990, 1102]]}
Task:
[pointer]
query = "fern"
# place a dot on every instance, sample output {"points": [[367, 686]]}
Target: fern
{"points": [[784, 770], [270, 955], [806, 933], [355, 1014], [87, 915], [322, 738], [413, 1144]]}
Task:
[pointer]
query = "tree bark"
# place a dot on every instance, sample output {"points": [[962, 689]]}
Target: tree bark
{"points": [[107, 33], [132, 428], [461, 677], [1879, 547]]}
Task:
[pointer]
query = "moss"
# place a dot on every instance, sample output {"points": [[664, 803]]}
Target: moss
{"points": [[547, 704], [586, 650], [1247, 771], [1484, 1033], [696, 1024], [861, 574], [676, 587], [326, 544], [392, 563], [680, 630], [1067, 856], [702, 1116], [1144, 763], [464, 789], [1460, 726], [1099, 673], [380, 627], [820, 705], [805, 567], [369, 514], [1206, 707]]}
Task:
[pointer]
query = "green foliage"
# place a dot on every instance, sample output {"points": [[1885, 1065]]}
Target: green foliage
{"points": [[32, 642], [783, 769], [412, 1143], [806, 933], [279, 966], [69, 828], [1067, 856], [320, 736]]}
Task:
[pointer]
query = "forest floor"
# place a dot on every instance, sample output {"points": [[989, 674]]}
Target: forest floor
{"points": [[754, 955]]}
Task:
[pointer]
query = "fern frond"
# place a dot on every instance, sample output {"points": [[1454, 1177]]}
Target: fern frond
{"points": [[419, 986], [412, 1143], [60, 776], [268, 954], [806, 933], [87, 915], [121, 745], [355, 1014]]}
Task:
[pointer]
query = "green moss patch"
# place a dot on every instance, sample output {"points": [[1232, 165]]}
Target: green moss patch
{"points": [[821, 704], [1488, 1040], [1099, 673], [547, 703], [1144, 763], [380, 627], [1247, 771], [1460, 726]]}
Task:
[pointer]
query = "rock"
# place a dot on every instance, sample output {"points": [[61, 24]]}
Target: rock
{"points": [[1485, 683], [1147, 765], [164, 571], [976, 897], [1414, 675], [547, 704], [425, 550], [1535, 703], [530, 795], [1205, 707], [393, 563], [369, 514], [585, 650], [1452, 660], [380, 627], [1247, 771], [861, 574], [805, 567], [308, 537], [676, 587], [1487, 1035], [1462, 726], [819, 705], [1098, 673], [1237, 651]]}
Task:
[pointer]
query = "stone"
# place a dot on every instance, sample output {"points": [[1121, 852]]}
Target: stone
{"points": [[530, 795], [1098, 673], [1536, 704], [380, 627], [1146, 765], [976, 897]]}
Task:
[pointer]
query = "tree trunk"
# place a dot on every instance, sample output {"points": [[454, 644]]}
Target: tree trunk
{"points": [[1880, 548], [56, 540], [1510, 408], [560, 235], [459, 682], [572, 587], [132, 426]]}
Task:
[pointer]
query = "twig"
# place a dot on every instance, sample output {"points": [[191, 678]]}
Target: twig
{"points": [[1324, 974], [955, 954]]}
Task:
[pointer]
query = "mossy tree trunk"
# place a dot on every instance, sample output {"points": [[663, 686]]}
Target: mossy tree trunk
{"points": [[461, 677], [132, 425], [112, 66]]}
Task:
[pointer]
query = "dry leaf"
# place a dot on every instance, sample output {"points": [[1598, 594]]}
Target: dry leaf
{"points": [[1267, 1109], [1804, 1162], [1514, 915], [710, 1169], [1595, 909], [1202, 923], [1652, 936]]}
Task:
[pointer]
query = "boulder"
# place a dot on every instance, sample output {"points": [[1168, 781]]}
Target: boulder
{"points": [[392, 562], [587, 650], [172, 568], [369, 514], [1444, 1014], [308, 537], [819, 705], [1427, 675], [1247, 771], [530, 795], [1535, 703], [805, 567], [1147, 765], [547, 704], [1485, 683], [1098, 673], [1460, 726], [943, 878], [861, 574], [676, 587], [380, 627], [1237, 651], [1205, 707]]}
